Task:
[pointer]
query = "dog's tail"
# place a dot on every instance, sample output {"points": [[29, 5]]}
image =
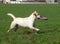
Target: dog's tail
{"points": [[10, 14]]}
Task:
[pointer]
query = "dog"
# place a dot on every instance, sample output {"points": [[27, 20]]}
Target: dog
{"points": [[25, 22]]}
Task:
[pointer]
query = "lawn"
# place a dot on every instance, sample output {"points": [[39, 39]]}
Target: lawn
{"points": [[49, 30]]}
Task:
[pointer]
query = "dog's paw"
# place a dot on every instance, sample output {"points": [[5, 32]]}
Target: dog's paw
{"points": [[36, 31]]}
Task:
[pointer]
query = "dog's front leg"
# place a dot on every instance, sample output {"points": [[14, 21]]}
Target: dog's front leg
{"points": [[36, 29]]}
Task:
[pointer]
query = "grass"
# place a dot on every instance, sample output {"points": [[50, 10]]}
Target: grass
{"points": [[50, 29]]}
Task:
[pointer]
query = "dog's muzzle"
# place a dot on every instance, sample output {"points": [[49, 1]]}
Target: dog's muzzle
{"points": [[42, 17]]}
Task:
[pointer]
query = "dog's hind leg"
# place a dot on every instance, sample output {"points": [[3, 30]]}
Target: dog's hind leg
{"points": [[11, 26]]}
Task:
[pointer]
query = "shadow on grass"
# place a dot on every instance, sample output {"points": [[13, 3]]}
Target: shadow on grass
{"points": [[41, 32], [48, 31]]}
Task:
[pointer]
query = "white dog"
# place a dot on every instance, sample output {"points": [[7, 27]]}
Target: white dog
{"points": [[25, 22]]}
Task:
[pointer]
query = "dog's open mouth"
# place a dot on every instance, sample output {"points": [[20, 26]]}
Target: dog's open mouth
{"points": [[42, 18]]}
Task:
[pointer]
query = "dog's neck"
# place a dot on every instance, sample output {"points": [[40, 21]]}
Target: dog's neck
{"points": [[32, 17]]}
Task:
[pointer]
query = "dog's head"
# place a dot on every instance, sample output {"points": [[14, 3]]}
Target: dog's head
{"points": [[39, 16]]}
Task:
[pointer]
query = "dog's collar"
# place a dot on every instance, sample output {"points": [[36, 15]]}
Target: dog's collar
{"points": [[35, 15]]}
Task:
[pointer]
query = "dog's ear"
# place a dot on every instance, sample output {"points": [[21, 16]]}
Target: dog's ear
{"points": [[35, 11]]}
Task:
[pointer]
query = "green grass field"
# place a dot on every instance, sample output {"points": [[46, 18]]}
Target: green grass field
{"points": [[50, 29]]}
